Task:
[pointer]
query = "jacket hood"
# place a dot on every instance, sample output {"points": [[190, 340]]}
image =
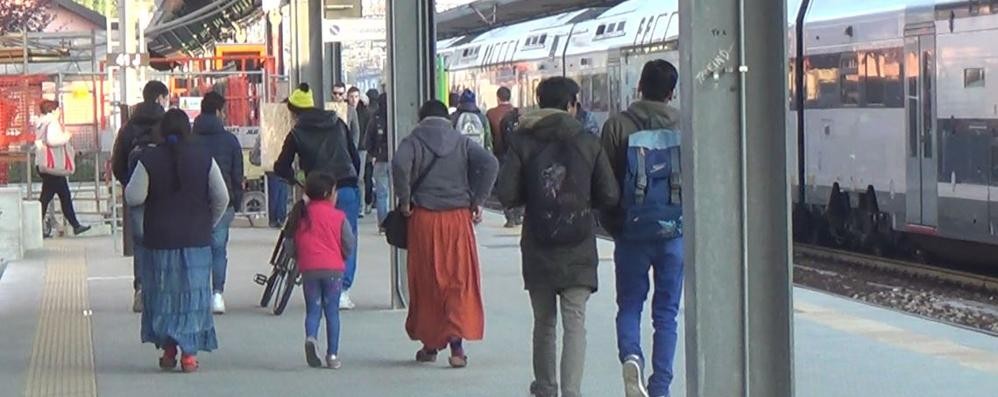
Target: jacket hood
{"points": [[208, 124], [316, 120], [658, 113], [468, 107], [438, 135], [550, 124], [147, 113]]}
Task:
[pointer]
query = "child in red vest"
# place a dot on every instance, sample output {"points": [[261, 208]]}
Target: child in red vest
{"points": [[322, 240]]}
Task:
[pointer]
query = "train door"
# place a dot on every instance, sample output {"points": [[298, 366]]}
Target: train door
{"points": [[920, 75]]}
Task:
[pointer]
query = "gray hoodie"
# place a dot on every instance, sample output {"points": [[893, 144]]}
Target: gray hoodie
{"points": [[462, 176]]}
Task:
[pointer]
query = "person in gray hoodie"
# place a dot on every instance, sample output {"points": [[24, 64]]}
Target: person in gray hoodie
{"points": [[441, 180]]}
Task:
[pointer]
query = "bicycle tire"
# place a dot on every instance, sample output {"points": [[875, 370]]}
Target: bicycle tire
{"points": [[291, 272], [268, 288]]}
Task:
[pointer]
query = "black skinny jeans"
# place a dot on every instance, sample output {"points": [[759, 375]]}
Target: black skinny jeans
{"points": [[58, 185]]}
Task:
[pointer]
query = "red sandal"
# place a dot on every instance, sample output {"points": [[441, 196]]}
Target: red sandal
{"points": [[169, 359], [189, 363]]}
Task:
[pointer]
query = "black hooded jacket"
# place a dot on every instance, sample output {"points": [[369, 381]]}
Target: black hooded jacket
{"points": [[137, 132], [321, 142], [560, 267]]}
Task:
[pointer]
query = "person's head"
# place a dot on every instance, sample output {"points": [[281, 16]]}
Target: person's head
{"points": [[658, 81], [48, 106], [468, 97], [320, 186], [156, 92], [339, 92], [558, 93], [175, 126], [353, 96], [301, 100], [212, 103], [433, 108], [372, 96], [504, 95]]}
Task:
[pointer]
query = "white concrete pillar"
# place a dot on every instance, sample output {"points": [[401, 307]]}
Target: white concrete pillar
{"points": [[11, 247], [31, 225]]}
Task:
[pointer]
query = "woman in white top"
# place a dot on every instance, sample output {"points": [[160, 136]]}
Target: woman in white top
{"points": [[50, 132]]}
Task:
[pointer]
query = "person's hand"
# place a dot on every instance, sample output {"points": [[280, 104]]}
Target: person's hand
{"points": [[476, 214], [405, 209]]}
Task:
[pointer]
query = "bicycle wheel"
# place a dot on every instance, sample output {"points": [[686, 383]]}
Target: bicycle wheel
{"points": [[268, 288], [283, 297]]}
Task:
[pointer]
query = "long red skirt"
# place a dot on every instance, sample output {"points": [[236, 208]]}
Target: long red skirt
{"points": [[445, 291]]}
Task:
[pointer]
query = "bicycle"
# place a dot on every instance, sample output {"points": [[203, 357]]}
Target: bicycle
{"points": [[283, 277]]}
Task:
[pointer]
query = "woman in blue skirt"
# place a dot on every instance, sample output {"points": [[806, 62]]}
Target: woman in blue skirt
{"points": [[184, 195]]}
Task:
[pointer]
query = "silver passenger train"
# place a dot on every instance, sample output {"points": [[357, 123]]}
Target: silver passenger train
{"points": [[901, 126]]}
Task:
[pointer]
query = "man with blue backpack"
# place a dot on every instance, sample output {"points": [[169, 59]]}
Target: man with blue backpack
{"points": [[642, 144]]}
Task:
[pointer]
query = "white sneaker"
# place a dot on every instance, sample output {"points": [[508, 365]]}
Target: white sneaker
{"points": [[345, 302], [217, 303], [634, 380]]}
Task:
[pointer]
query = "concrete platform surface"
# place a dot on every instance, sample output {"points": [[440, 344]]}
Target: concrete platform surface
{"points": [[843, 348]]}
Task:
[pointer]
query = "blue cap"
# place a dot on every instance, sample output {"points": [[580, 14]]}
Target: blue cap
{"points": [[468, 97]]}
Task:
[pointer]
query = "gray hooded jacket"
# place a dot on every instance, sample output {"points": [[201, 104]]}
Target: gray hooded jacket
{"points": [[462, 176]]}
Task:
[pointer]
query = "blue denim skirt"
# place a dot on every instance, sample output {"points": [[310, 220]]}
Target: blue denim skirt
{"points": [[176, 293]]}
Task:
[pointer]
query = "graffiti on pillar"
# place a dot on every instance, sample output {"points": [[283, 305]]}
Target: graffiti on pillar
{"points": [[716, 65]]}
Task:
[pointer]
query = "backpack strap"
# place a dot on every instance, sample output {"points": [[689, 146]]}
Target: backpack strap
{"points": [[422, 176]]}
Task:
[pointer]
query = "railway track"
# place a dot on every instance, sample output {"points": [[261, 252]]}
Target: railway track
{"points": [[927, 272]]}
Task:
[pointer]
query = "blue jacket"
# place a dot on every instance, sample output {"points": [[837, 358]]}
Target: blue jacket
{"points": [[224, 147]]}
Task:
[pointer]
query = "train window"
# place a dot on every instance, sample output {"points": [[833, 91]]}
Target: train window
{"points": [[849, 80], [881, 72], [600, 97], [620, 26], [822, 81], [611, 28], [600, 30], [544, 38], [973, 78]]}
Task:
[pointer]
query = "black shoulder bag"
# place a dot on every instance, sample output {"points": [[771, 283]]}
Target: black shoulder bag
{"points": [[396, 225]]}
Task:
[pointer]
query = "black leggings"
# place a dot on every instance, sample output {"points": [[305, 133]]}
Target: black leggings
{"points": [[58, 185]]}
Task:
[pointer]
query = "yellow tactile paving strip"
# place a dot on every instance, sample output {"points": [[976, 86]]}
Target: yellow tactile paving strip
{"points": [[62, 356]]}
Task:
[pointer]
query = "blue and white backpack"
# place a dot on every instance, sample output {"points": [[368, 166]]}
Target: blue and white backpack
{"points": [[652, 186]]}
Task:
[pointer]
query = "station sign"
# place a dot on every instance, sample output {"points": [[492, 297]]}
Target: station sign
{"points": [[351, 30]]}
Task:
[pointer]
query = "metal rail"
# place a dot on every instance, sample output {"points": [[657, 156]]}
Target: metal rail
{"points": [[983, 282]]}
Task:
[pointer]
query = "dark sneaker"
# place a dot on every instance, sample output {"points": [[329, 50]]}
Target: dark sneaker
{"points": [[310, 354], [169, 359], [78, 230], [634, 379]]}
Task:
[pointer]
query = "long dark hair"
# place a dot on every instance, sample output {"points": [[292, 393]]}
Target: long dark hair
{"points": [[174, 131], [318, 186]]}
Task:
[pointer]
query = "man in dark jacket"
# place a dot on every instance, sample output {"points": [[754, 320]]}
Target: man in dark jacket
{"points": [[376, 143], [635, 259], [497, 116], [367, 118], [224, 147], [320, 140], [130, 141], [557, 271]]}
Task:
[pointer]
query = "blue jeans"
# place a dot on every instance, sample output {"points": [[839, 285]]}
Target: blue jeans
{"points": [[277, 200], [136, 216], [322, 296], [219, 250], [348, 201], [381, 190], [634, 260]]}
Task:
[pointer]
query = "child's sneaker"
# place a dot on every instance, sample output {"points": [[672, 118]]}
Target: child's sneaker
{"points": [[333, 362], [310, 354]]}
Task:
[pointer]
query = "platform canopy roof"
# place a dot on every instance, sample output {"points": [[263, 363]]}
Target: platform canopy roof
{"points": [[185, 25], [483, 15]]}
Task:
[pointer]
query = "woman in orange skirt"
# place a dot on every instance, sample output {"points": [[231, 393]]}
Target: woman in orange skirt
{"points": [[441, 180]]}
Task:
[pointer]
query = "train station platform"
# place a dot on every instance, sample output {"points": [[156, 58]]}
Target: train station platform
{"points": [[66, 328]]}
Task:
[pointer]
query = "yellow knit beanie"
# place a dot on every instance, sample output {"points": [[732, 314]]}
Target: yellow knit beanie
{"points": [[302, 97]]}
